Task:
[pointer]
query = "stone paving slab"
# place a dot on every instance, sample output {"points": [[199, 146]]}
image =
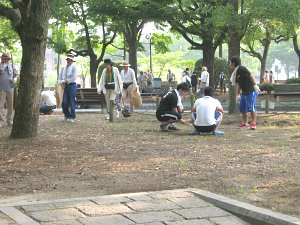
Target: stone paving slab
{"points": [[171, 207]]}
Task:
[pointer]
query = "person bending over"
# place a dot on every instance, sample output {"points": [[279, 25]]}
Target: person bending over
{"points": [[170, 108]]}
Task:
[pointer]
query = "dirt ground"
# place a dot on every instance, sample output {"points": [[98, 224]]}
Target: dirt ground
{"points": [[93, 156]]}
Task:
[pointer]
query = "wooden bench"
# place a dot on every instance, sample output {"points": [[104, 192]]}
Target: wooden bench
{"points": [[286, 90], [89, 96]]}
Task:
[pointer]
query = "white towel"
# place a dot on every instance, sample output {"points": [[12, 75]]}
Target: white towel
{"points": [[233, 76]]}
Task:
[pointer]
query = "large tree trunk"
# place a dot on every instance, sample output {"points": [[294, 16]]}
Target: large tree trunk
{"points": [[93, 70], [132, 44], [33, 33], [208, 59], [266, 43], [297, 50], [233, 50]]}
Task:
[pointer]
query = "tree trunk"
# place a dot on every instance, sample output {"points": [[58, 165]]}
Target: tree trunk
{"points": [[133, 54], [220, 51], [33, 34], [93, 70], [208, 59], [263, 61], [297, 50]]}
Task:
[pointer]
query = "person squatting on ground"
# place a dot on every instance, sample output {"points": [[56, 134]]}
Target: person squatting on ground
{"points": [[129, 84], [110, 83], [67, 77], [8, 78], [207, 114], [170, 108], [246, 84], [48, 102], [204, 80]]}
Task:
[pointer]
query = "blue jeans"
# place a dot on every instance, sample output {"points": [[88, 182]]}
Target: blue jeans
{"points": [[68, 103]]}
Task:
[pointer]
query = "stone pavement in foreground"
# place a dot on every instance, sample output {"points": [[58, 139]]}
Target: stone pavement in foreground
{"points": [[176, 207]]}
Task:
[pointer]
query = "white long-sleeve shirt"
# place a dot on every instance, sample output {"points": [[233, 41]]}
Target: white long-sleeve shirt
{"points": [[68, 74]]}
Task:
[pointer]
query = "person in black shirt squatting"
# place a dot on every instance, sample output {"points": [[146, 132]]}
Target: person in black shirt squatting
{"points": [[170, 108], [246, 84]]}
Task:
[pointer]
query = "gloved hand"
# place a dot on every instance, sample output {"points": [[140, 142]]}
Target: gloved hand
{"points": [[256, 88]]}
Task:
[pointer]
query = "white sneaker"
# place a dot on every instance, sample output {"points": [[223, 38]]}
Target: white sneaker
{"points": [[107, 116], [117, 114], [70, 120]]}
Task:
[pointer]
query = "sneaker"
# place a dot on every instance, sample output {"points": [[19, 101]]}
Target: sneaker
{"points": [[194, 133], [117, 114], [172, 126], [70, 120], [253, 126], [164, 127], [64, 119], [244, 125], [218, 132], [107, 116]]}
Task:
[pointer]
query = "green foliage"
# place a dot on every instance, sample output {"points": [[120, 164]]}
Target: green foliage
{"points": [[8, 36], [267, 87], [293, 81], [161, 43]]}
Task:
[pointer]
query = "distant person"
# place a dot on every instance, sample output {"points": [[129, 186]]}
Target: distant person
{"points": [[67, 77], [204, 80], [207, 114], [194, 82], [171, 79], [186, 79], [149, 77], [247, 91], [222, 83], [266, 77], [48, 102], [271, 77], [110, 84], [142, 80], [8, 78], [170, 108]]}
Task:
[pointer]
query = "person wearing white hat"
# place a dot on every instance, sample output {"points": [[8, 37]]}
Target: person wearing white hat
{"points": [[129, 84], [7, 80], [67, 77]]}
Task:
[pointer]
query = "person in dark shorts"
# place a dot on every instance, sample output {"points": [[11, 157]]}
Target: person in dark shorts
{"points": [[170, 108], [207, 114]]}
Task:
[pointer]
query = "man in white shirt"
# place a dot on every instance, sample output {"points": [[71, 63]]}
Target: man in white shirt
{"points": [[48, 102], [207, 114], [204, 80], [67, 77]]}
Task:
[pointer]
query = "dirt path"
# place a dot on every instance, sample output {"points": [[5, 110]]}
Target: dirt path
{"points": [[93, 156]]}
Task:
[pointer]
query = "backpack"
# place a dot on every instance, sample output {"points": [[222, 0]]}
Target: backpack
{"points": [[188, 82]]}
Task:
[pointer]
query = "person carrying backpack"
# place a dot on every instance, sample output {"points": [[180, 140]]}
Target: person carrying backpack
{"points": [[186, 79]]}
